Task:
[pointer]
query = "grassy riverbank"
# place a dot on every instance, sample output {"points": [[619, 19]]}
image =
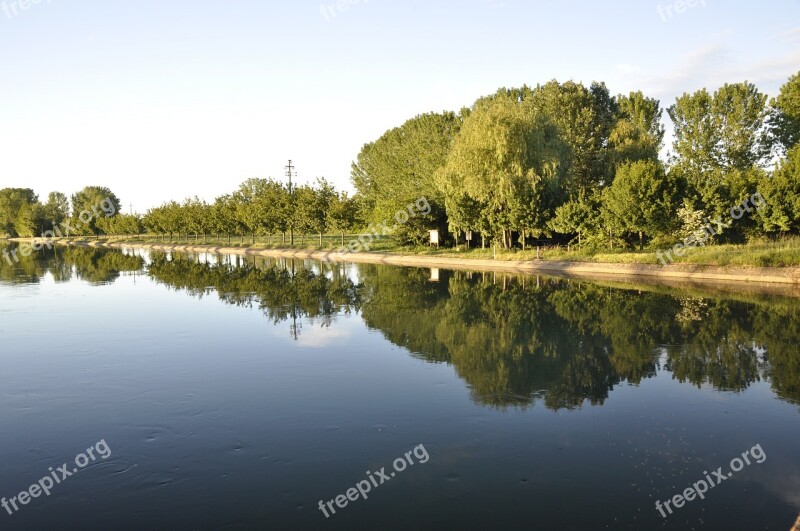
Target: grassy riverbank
{"points": [[783, 253]]}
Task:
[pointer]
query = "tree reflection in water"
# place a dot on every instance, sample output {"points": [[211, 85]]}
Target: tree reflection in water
{"points": [[515, 340]]}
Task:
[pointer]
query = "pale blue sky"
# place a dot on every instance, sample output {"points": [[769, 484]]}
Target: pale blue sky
{"points": [[163, 100]]}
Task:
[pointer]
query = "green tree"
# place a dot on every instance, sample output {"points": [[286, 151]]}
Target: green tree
{"points": [[638, 133], [223, 216], [721, 145], [578, 216], [785, 114], [309, 215], [781, 192], [90, 204], [641, 198], [400, 167], [29, 220], [583, 118], [506, 159], [15, 202], [56, 210], [343, 215]]}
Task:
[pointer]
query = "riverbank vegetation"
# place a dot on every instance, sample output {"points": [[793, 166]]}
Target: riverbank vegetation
{"points": [[562, 167]]}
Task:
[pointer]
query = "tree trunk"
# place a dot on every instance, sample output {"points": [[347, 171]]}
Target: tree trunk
{"points": [[641, 241]]}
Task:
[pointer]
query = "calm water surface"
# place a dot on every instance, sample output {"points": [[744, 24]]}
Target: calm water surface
{"points": [[237, 393]]}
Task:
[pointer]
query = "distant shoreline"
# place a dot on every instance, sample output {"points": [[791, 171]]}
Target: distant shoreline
{"points": [[786, 276]]}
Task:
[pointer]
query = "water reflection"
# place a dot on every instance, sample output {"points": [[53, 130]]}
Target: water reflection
{"points": [[282, 291], [96, 266], [515, 340]]}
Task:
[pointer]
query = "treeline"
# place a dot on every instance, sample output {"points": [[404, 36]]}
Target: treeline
{"points": [[572, 162], [90, 211], [558, 161], [261, 207]]}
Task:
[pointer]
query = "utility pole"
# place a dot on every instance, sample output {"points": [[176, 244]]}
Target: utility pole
{"points": [[289, 173]]}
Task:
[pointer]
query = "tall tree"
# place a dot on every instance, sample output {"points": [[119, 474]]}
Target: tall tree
{"points": [[638, 133], [56, 210], [781, 192], [13, 202], [399, 167], [785, 110], [506, 159], [91, 203], [724, 131], [721, 143]]}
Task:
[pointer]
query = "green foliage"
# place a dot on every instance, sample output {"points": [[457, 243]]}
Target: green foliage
{"points": [[16, 203], [638, 133], [785, 111], [781, 193], [725, 131], [523, 162], [578, 216], [89, 205], [120, 224], [506, 164], [56, 210], [399, 167], [343, 214], [641, 199]]}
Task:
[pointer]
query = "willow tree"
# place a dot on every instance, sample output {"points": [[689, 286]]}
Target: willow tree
{"points": [[505, 165]]}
